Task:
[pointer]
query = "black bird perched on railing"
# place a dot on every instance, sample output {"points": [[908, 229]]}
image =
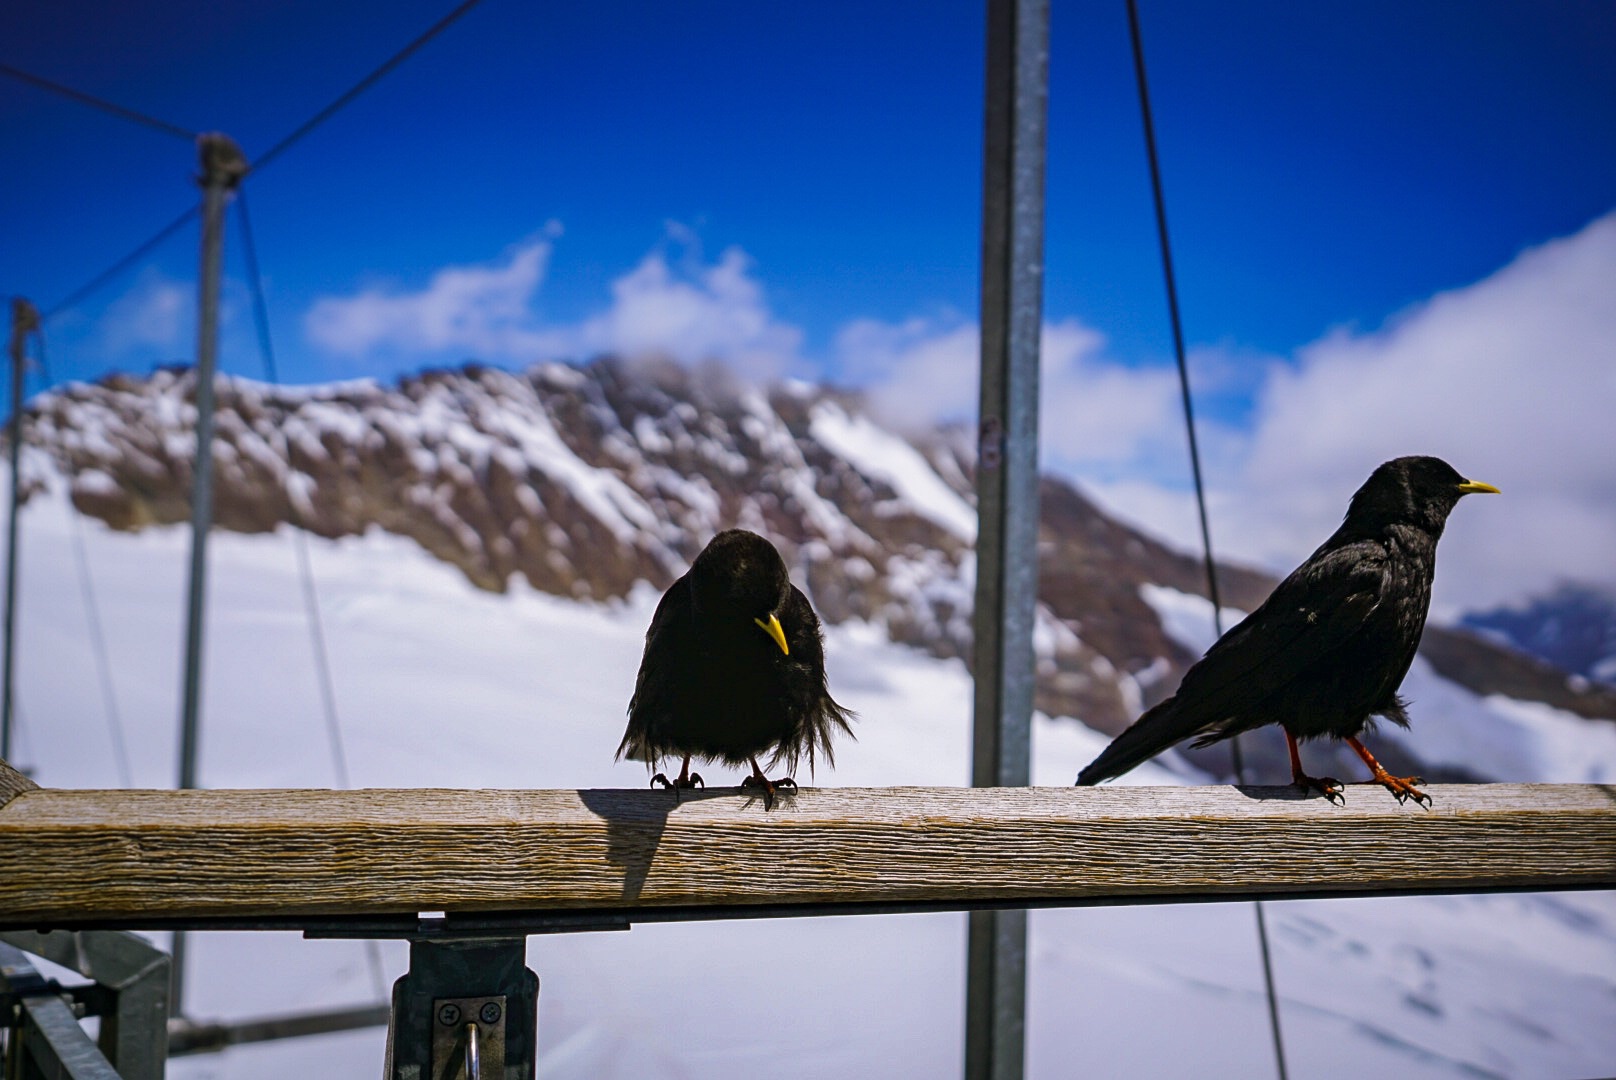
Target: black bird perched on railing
{"points": [[734, 668], [1326, 652]]}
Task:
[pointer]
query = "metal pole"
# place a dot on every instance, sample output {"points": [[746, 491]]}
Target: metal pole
{"points": [[1007, 495], [24, 320], [223, 166]]}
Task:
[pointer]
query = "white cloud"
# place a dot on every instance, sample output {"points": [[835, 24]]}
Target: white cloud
{"points": [[479, 310], [917, 372], [1511, 379], [1093, 411], [158, 313], [697, 314], [693, 312], [1098, 414]]}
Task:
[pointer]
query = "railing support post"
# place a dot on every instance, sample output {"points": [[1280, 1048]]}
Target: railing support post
{"points": [[223, 166], [467, 1001], [1007, 494], [24, 321]]}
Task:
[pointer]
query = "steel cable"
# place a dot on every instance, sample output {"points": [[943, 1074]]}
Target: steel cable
{"points": [[1195, 467]]}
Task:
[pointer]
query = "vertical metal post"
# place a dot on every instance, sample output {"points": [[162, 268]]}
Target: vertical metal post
{"points": [[1007, 494], [24, 321], [223, 166]]}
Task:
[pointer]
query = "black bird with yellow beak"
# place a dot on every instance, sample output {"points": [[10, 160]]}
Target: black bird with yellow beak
{"points": [[734, 668], [1326, 652]]}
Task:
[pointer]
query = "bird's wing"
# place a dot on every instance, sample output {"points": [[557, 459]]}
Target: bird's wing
{"points": [[669, 652], [801, 625], [817, 714], [1323, 606]]}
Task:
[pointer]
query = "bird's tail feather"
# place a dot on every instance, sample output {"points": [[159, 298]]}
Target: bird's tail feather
{"points": [[1155, 731]]}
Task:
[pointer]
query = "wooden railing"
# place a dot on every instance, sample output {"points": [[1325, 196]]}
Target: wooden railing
{"points": [[88, 858]]}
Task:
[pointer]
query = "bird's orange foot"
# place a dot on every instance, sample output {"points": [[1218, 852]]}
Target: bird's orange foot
{"points": [[1402, 787], [1328, 786], [770, 787]]}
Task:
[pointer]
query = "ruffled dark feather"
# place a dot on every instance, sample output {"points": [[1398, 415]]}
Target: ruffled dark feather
{"points": [[713, 685]]}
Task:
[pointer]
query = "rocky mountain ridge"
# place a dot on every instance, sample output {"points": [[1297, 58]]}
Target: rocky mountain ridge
{"points": [[585, 480]]}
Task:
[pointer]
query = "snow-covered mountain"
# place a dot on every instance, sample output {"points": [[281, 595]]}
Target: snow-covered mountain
{"points": [[1573, 628], [442, 683], [586, 480]]}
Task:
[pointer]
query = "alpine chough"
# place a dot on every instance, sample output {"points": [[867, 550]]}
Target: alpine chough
{"points": [[1326, 652], [734, 668]]}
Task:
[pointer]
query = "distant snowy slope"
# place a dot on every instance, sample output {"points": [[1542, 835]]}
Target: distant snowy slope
{"points": [[1573, 628], [442, 684], [879, 453]]}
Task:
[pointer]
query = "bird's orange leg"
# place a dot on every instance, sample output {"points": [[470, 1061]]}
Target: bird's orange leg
{"points": [[1328, 786], [687, 779], [1401, 786], [757, 779]]}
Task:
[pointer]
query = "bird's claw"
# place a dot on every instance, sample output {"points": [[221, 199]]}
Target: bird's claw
{"points": [[1403, 788], [1328, 786], [769, 787], [694, 780]]}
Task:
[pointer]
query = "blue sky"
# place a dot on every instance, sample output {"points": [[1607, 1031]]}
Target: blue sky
{"points": [[796, 188], [1324, 165]]}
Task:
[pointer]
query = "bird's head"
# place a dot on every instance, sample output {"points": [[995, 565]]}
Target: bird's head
{"points": [[740, 577], [1417, 490]]}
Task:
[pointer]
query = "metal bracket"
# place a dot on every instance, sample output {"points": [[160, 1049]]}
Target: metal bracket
{"points": [[466, 1010], [130, 992], [46, 1039], [468, 1037]]}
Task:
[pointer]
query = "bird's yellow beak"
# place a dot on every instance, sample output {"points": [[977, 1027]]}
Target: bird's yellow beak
{"points": [[773, 628], [1472, 487]]}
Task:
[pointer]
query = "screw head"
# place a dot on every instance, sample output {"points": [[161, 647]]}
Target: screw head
{"points": [[490, 1013], [449, 1015]]}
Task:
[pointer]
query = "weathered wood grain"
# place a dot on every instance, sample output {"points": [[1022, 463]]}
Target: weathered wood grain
{"points": [[72, 856], [13, 783]]}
